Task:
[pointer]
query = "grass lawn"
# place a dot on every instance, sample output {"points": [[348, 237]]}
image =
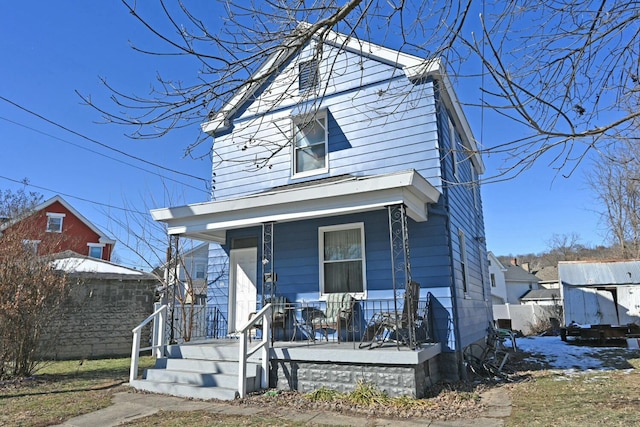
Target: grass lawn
{"points": [[62, 390]]}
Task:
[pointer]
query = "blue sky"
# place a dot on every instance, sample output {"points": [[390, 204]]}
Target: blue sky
{"points": [[49, 50]]}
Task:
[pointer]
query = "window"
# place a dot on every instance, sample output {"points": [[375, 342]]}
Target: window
{"points": [[493, 280], [200, 271], [95, 250], [31, 245], [310, 144], [342, 260], [453, 142], [54, 222], [308, 75], [463, 261]]}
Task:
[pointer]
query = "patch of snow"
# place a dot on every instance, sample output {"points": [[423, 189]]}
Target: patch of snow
{"points": [[90, 265], [563, 355]]}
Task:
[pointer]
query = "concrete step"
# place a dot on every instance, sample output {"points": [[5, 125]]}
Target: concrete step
{"points": [[185, 390], [201, 379], [208, 366], [224, 351]]}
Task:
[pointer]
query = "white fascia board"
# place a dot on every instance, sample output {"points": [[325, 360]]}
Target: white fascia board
{"points": [[451, 99], [349, 196]]}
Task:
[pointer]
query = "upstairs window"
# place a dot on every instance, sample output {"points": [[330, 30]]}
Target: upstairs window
{"points": [[200, 271], [54, 222], [310, 138], [308, 75], [342, 260]]}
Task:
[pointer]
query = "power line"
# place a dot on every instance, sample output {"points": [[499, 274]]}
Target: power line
{"points": [[101, 154], [21, 182], [98, 142]]}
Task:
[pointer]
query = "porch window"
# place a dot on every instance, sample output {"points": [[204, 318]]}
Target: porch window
{"points": [[342, 259], [310, 138]]}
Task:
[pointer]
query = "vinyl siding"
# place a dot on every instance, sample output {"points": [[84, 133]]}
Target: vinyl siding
{"points": [[385, 126]]}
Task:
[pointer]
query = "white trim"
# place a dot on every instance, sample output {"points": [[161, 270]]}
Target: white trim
{"points": [[208, 221], [322, 114], [96, 245], [53, 215], [321, 260], [464, 264], [415, 68]]}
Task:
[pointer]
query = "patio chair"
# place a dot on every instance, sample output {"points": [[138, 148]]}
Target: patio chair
{"points": [[280, 315], [339, 312], [396, 326]]}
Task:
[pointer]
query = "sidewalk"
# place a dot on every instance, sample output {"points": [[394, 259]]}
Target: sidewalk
{"points": [[128, 406]]}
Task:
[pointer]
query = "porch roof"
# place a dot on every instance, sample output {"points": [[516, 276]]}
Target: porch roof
{"points": [[209, 221]]}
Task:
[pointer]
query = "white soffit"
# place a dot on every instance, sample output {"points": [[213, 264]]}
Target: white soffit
{"points": [[208, 221]]}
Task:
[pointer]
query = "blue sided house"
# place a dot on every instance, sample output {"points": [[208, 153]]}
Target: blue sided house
{"points": [[344, 169]]}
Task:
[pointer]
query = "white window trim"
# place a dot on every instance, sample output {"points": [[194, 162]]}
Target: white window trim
{"points": [[96, 245], [453, 142], [321, 231], [301, 118], [55, 215], [195, 270]]}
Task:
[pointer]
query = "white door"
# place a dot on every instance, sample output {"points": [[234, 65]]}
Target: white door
{"points": [[243, 292]]}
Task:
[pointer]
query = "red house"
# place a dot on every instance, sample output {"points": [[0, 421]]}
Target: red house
{"points": [[55, 226]]}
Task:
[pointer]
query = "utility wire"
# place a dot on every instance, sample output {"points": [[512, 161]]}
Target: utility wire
{"points": [[21, 182], [98, 142], [101, 154]]}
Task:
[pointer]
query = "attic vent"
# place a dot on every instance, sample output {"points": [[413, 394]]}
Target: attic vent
{"points": [[308, 75]]}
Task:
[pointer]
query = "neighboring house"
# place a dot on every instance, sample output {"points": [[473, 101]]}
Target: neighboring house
{"points": [[518, 282], [596, 293], [496, 278], [542, 297], [372, 181], [55, 226], [548, 277], [192, 271]]}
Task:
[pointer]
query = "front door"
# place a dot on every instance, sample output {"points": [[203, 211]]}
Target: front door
{"points": [[243, 292]]}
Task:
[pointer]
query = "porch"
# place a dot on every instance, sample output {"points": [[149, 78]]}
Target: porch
{"points": [[211, 367]]}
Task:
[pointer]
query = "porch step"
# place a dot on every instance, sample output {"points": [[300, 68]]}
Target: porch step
{"points": [[205, 371]]}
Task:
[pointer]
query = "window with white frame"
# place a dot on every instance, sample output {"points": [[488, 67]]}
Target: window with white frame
{"points": [[342, 259], [310, 138], [308, 75], [453, 142], [95, 250], [200, 271], [463, 261], [54, 222]]}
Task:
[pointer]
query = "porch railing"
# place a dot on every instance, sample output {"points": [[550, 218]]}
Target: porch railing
{"points": [[158, 318], [263, 317]]}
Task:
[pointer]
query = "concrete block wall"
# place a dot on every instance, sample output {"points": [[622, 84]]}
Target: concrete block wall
{"points": [[98, 318], [394, 380]]}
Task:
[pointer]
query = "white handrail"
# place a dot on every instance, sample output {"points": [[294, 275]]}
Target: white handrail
{"points": [[244, 353], [157, 339]]}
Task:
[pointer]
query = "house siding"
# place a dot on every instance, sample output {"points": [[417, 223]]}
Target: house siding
{"points": [[472, 309], [394, 129]]}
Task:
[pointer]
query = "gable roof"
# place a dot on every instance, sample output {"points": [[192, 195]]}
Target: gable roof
{"points": [[547, 274], [515, 273], [587, 273], [415, 68], [103, 237]]}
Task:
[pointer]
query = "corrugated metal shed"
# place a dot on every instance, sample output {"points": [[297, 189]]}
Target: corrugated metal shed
{"points": [[583, 273]]}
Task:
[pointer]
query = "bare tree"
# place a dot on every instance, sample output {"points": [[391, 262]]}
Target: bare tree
{"points": [[559, 70], [615, 180], [563, 247], [32, 294], [14, 204], [168, 260]]}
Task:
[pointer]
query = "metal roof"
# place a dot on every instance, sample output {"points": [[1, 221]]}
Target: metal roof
{"points": [[599, 273]]}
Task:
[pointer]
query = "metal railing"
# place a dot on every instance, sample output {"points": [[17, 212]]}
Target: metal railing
{"points": [[158, 318]]}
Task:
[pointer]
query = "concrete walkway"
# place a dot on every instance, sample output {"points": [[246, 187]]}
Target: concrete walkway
{"points": [[129, 406]]}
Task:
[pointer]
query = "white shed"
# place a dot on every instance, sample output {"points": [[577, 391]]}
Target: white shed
{"points": [[605, 292]]}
